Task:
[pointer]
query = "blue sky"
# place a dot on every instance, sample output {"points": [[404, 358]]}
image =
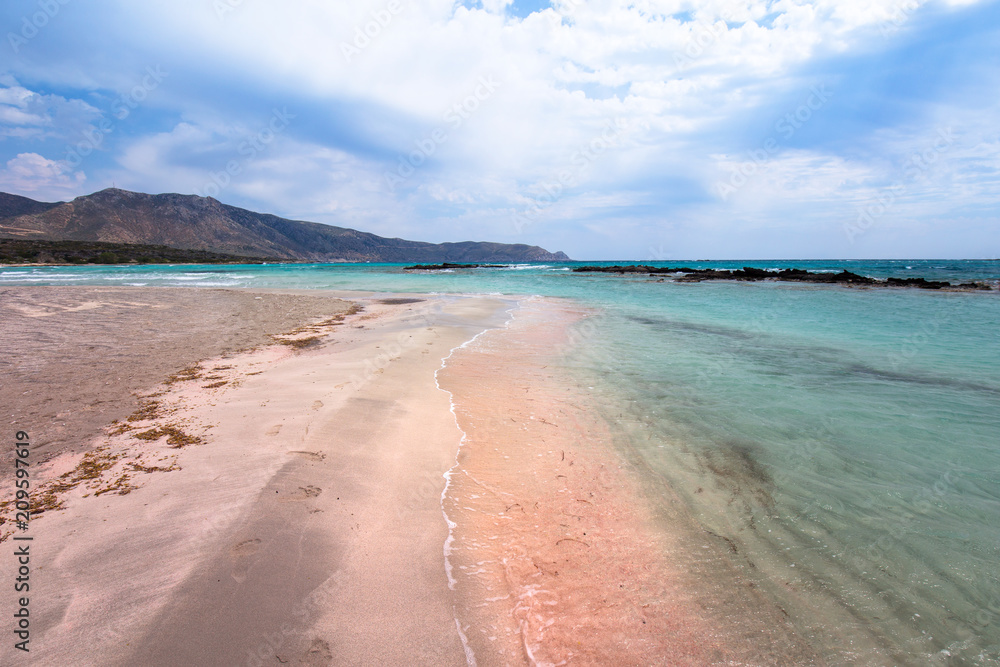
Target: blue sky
{"points": [[650, 129]]}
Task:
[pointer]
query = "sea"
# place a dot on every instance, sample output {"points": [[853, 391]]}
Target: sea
{"points": [[844, 441]]}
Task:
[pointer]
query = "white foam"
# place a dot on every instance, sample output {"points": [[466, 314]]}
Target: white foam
{"points": [[54, 279], [213, 283], [470, 656]]}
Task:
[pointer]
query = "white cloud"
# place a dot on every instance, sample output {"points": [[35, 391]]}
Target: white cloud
{"points": [[36, 176], [672, 73], [688, 78], [27, 114], [276, 174]]}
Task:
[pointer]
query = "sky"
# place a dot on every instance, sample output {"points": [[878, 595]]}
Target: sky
{"points": [[608, 129]]}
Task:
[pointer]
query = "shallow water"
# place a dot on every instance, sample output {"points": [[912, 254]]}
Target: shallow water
{"points": [[845, 443]]}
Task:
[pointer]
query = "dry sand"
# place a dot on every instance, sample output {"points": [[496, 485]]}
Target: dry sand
{"points": [[71, 358]]}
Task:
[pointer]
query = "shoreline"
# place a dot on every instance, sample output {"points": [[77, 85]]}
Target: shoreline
{"points": [[558, 554], [302, 517]]}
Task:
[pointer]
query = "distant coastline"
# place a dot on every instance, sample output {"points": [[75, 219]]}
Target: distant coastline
{"points": [[189, 222]]}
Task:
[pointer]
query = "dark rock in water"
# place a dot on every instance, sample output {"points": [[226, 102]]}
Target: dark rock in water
{"points": [[746, 273], [750, 273], [842, 277], [916, 282], [448, 265], [685, 274], [618, 269], [792, 274], [439, 267]]}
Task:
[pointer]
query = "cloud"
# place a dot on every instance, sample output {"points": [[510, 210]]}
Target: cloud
{"points": [[258, 164], [27, 114], [394, 131], [37, 176]]}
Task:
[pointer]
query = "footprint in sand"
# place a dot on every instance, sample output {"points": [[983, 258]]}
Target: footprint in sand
{"points": [[317, 405], [318, 655], [312, 456], [274, 430], [242, 555], [303, 493]]}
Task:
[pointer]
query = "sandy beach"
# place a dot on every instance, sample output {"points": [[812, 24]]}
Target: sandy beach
{"points": [[258, 478], [303, 523], [73, 358]]}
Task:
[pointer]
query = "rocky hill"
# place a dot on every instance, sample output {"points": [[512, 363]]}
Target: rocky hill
{"points": [[202, 223]]}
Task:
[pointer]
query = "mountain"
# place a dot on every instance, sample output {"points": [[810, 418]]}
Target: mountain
{"points": [[203, 223], [12, 206]]}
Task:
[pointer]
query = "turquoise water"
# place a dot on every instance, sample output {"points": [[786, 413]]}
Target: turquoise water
{"points": [[846, 441]]}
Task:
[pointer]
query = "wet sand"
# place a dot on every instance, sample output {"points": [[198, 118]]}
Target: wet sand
{"points": [[558, 555]]}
